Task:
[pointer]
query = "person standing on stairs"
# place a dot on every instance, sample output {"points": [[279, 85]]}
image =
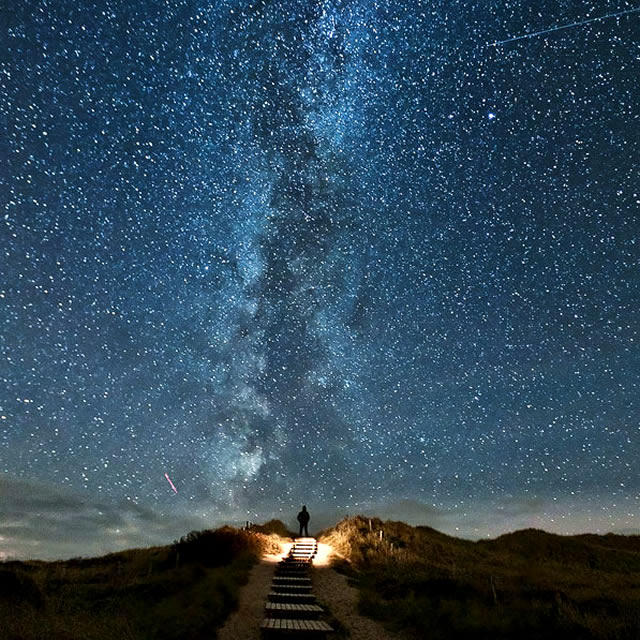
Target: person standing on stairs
{"points": [[303, 519]]}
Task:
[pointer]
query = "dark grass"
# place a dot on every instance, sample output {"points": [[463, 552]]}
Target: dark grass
{"points": [[184, 591], [528, 585]]}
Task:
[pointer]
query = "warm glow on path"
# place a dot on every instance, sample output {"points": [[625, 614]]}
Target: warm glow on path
{"points": [[274, 558], [324, 555]]}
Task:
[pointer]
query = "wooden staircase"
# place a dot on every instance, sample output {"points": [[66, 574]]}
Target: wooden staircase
{"points": [[291, 610]]}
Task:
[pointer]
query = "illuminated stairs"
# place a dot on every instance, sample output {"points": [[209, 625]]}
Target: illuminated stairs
{"points": [[291, 610]]}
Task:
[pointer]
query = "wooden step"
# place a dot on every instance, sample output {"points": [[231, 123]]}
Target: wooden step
{"points": [[296, 598], [290, 558], [293, 610], [282, 627], [287, 573], [291, 588], [292, 562], [291, 580]]}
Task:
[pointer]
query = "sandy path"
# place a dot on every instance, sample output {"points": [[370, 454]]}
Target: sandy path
{"points": [[341, 599], [330, 587], [244, 622]]}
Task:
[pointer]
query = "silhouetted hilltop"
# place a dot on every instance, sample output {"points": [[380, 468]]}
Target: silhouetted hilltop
{"points": [[273, 527], [526, 584], [611, 553]]}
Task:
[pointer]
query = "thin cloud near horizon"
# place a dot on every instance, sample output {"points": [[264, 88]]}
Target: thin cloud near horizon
{"points": [[38, 521]]}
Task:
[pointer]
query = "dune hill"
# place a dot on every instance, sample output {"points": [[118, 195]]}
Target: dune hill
{"points": [[184, 590], [527, 584]]}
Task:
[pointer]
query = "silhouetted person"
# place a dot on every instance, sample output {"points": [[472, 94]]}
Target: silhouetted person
{"points": [[303, 519]]}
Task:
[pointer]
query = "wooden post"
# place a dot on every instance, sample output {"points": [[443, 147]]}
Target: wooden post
{"points": [[369, 524]]}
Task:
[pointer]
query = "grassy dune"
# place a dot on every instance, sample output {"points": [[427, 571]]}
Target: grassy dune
{"points": [[182, 591], [527, 585]]}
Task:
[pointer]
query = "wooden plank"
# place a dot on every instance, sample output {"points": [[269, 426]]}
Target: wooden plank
{"points": [[304, 547], [291, 588], [292, 579], [293, 610], [283, 596], [287, 587], [295, 561], [284, 573], [289, 606], [292, 625]]}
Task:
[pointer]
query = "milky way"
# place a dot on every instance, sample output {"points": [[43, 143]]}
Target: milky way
{"points": [[343, 253]]}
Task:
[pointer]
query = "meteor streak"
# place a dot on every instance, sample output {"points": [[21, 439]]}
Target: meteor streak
{"points": [[173, 486], [565, 26]]}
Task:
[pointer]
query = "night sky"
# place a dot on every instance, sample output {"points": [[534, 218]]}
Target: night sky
{"points": [[366, 256]]}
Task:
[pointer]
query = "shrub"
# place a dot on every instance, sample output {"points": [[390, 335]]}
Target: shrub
{"points": [[215, 548], [17, 586]]}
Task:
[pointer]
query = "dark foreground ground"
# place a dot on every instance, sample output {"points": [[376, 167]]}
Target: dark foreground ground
{"points": [[526, 585]]}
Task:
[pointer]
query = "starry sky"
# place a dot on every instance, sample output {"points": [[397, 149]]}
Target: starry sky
{"points": [[370, 256]]}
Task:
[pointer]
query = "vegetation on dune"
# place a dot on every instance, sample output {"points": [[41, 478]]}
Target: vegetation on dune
{"points": [[529, 584], [273, 527], [185, 590]]}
